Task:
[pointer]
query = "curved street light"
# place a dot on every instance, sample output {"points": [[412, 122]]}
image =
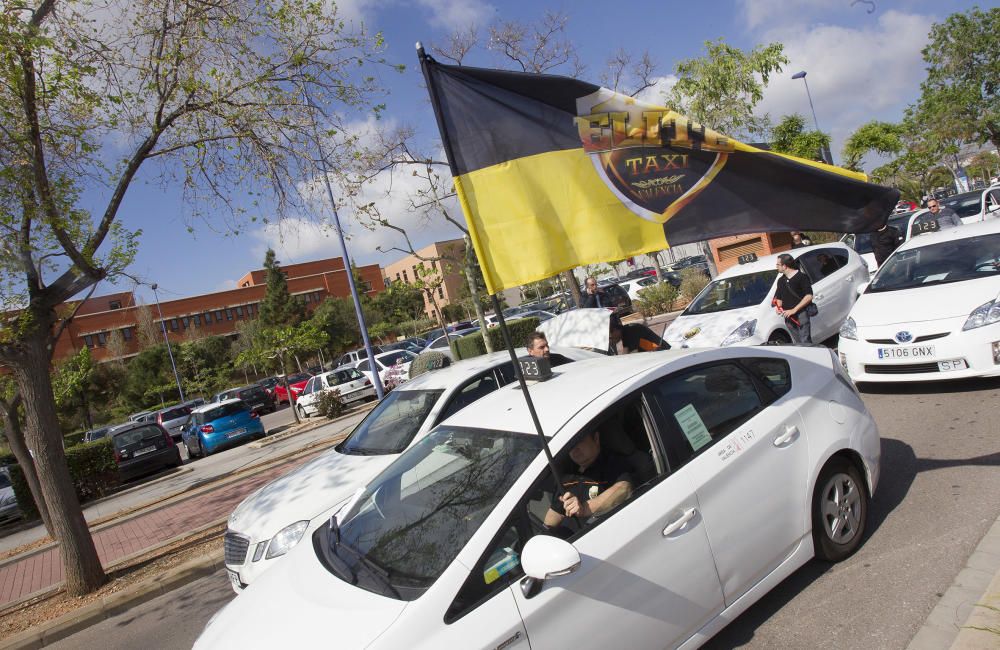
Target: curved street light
{"points": [[170, 352], [826, 149]]}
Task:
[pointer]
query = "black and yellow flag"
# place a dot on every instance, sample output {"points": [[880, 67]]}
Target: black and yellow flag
{"points": [[553, 173]]}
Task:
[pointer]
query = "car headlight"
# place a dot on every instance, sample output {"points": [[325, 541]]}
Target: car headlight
{"points": [[849, 330], [744, 331], [983, 315], [286, 538]]}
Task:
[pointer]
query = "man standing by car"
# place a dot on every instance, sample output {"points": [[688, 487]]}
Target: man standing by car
{"points": [[884, 241], [795, 294], [595, 297], [946, 217], [800, 241]]}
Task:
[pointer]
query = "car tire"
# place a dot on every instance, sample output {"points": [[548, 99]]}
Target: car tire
{"points": [[190, 453], [839, 510], [203, 451], [779, 337], [302, 412]]}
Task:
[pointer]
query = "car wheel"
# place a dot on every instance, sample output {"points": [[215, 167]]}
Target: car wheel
{"points": [[840, 510], [779, 337], [302, 412], [190, 452], [203, 451]]}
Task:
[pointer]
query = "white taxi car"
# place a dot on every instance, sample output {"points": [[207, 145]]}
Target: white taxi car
{"points": [[741, 465], [932, 311], [273, 519], [735, 308], [350, 384]]}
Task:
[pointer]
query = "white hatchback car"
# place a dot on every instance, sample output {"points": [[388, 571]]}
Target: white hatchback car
{"points": [[735, 308], [740, 465], [397, 361], [350, 384], [932, 312], [273, 519]]}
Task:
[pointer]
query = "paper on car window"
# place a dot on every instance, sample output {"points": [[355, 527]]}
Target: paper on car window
{"points": [[693, 427], [935, 277]]}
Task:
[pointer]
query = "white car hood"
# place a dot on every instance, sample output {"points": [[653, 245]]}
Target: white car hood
{"points": [[712, 328], [305, 493], [297, 606], [936, 302]]}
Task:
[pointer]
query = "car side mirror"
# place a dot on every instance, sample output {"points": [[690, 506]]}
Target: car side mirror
{"points": [[545, 557], [862, 287]]}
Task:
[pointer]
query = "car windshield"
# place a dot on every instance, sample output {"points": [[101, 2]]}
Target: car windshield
{"points": [[175, 414], [136, 436], [408, 525], [399, 356], [951, 261], [256, 392], [391, 425], [733, 293], [964, 205], [4, 481], [302, 376], [343, 376], [863, 243], [222, 411]]}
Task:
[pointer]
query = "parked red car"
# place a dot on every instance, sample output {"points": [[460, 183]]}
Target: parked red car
{"points": [[296, 383]]}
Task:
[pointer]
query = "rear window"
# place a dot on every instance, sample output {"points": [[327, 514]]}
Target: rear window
{"points": [[174, 414], [400, 356], [294, 379], [253, 393], [4, 481], [343, 376], [137, 436], [221, 411]]}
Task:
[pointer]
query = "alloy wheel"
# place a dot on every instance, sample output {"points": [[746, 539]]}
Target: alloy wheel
{"points": [[841, 508]]}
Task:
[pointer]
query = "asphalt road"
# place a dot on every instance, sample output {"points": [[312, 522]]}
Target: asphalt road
{"points": [[937, 498]]}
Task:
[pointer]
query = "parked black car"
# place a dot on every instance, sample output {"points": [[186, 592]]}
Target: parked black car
{"points": [[256, 397], [143, 448]]}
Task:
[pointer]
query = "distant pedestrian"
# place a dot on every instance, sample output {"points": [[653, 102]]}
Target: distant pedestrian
{"points": [[800, 241], [946, 217], [595, 297], [794, 298], [884, 241]]}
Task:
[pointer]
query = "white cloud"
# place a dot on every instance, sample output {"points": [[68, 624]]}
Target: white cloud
{"points": [[655, 94], [458, 14], [854, 74]]}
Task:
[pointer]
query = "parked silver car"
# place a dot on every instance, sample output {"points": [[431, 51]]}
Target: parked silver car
{"points": [[172, 419]]}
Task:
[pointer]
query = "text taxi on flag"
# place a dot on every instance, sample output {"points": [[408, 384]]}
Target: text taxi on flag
{"points": [[553, 173]]}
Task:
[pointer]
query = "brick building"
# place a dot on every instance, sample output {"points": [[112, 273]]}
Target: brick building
{"points": [[208, 314], [411, 268]]}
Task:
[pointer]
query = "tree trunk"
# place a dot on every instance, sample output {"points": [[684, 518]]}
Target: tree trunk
{"points": [[81, 566], [574, 287], [656, 265], [15, 438]]}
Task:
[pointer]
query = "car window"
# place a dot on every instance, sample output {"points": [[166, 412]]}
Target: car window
{"points": [[364, 366], [820, 263], [309, 387], [440, 343], [343, 377], [137, 436], [774, 373], [627, 436], [480, 386], [392, 358], [294, 379], [965, 205], [945, 262], [700, 406], [254, 392], [174, 414], [224, 410], [4, 481], [392, 425], [433, 498], [733, 293]]}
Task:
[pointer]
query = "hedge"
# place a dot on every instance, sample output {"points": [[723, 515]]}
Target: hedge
{"points": [[472, 345], [92, 467]]}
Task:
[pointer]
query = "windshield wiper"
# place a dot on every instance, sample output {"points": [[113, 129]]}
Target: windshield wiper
{"points": [[381, 574]]}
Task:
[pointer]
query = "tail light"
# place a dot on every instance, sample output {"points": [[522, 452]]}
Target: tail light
{"points": [[368, 382], [254, 415], [159, 418], [118, 456], [207, 428], [170, 438]]}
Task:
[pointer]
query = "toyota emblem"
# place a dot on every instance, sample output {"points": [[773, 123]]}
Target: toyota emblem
{"points": [[903, 337]]}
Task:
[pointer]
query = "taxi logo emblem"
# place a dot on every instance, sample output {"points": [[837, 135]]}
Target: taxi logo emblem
{"points": [[691, 333], [903, 337]]}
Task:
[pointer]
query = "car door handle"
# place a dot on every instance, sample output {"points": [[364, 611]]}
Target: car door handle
{"points": [[789, 436], [849, 278], [680, 522]]}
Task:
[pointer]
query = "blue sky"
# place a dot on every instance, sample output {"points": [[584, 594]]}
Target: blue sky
{"points": [[863, 63]]}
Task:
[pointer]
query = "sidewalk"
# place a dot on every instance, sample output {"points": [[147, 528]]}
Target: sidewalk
{"points": [[21, 577]]}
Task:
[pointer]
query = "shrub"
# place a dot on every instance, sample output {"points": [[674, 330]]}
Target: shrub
{"points": [[693, 280], [72, 439], [329, 404], [657, 299], [427, 361], [92, 467], [472, 345]]}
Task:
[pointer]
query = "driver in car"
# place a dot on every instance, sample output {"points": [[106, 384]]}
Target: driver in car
{"points": [[604, 480]]}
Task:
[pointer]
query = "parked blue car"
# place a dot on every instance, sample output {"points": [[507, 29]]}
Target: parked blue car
{"points": [[219, 425]]}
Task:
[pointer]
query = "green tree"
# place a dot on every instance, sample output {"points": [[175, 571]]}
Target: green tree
{"points": [[149, 379], [790, 136], [883, 138], [276, 346], [399, 302], [963, 74], [722, 89], [278, 308], [206, 364], [206, 93], [336, 318], [71, 383]]}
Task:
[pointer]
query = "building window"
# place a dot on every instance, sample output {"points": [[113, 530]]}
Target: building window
{"points": [[229, 314], [397, 276], [308, 297], [366, 287], [197, 320], [441, 292], [127, 333], [405, 279], [239, 312], [185, 323], [208, 318], [250, 309], [173, 325], [115, 304], [88, 340], [102, 338], [218, 316]]}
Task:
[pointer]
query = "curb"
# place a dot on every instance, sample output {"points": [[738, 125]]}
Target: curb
{"points": [[307, 426], [952, 622], [114, 604]]}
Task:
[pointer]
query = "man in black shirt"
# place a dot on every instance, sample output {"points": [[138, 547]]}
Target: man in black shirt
{"points": [[884, 241], [603, 481], [800, 241], [594, 297], [794, 294], [635, 337]]}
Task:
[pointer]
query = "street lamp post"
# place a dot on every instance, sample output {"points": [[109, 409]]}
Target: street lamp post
{"points": [[826, 149], [170, 352]]}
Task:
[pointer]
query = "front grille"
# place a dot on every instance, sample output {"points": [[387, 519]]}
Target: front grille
{"points": [[901, 368], [919, 339], [235, 547]]}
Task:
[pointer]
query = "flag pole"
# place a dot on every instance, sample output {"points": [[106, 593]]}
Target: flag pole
{"points": [[425, 60]]}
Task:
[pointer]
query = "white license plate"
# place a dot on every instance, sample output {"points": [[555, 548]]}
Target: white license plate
{"points": [[234, 579], [236, 432], [145, 450], [952, 364], [915, 352]]}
